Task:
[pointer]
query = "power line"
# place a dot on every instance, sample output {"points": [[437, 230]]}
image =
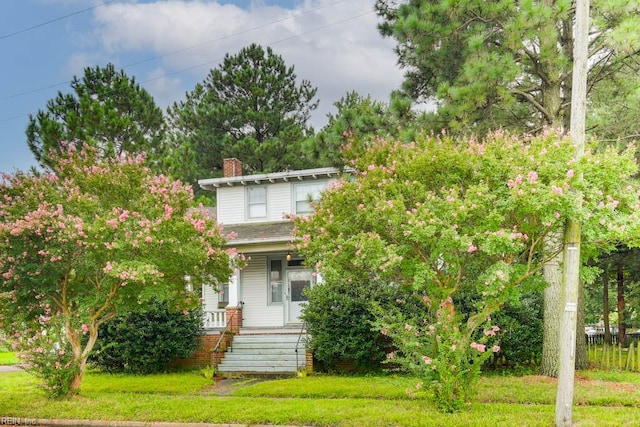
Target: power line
{"points": [[266, 44], [42, 24], [228, 36], [183, 70], [239, 33]]}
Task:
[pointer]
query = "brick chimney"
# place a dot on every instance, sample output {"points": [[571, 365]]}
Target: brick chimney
{"points": [[231, 167]]}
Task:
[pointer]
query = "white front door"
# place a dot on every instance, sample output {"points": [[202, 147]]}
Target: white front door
{"points": [[297, 281]]}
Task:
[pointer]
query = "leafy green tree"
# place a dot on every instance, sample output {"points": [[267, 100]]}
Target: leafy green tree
{"points": [[448, 218], [97, 238], [508, 64], [107, 109], [251, 108]]}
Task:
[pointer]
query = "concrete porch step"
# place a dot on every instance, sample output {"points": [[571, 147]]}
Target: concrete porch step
{"points": [[260, 353]]}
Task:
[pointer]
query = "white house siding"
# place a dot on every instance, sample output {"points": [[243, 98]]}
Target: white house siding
{"points": [[232, 207], [209, 298], [230, 201], [278, 201], [256, 312]]}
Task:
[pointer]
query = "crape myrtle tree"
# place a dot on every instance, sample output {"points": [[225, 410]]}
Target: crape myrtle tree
{"points": [[453, 218], [508, 64], [107, 109], [96, 238], [251, 107]]}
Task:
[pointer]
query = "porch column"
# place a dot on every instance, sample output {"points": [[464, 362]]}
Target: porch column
{"points": [[234, 289], [234, 313]]}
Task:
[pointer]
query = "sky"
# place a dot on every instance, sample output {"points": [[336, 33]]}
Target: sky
{"points": [[170, 45]]}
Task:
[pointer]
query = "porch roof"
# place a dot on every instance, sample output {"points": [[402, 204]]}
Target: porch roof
{"points": [[295, 175], [262, 232]]}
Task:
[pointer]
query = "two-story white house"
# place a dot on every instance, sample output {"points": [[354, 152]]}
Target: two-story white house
{"points": [[254, 208]]}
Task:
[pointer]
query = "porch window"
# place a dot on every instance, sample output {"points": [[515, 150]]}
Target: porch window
{"points": [[306, 193], [257, 201], [223, 296], [275, 281]]}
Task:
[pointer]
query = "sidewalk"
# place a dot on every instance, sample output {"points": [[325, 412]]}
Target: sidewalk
{"points": [[9, 368]]}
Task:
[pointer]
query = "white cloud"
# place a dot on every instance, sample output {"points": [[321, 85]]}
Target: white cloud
{"points": [[164, 89], [332, 43]]}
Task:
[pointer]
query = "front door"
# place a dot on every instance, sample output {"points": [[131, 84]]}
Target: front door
{"points": [[298, 281]]}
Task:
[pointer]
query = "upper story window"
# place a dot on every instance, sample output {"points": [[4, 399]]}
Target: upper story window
{"points": [[257, 202], [305, 193]]}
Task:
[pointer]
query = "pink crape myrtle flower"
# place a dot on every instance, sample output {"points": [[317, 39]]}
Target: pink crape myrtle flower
{"points": [[480, 347]]}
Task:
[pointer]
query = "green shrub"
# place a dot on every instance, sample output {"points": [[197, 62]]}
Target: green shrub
{"points": [[521, 324], [147, 341], [340, 318]]}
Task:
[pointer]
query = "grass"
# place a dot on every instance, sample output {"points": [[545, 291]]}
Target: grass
{"points": [[601, 398], [8, 358]]}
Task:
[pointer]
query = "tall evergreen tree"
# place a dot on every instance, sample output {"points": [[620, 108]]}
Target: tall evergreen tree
{"points": [[107, 109], [505, 63], [360, 117], [251, 107]]}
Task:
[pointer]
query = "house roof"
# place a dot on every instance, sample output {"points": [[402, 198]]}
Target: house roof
{"points": [[261, 232], [295, 175]]}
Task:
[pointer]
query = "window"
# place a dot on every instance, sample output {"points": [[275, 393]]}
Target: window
{"points": [[223, 294], [275, 281], [257, 202], [304, 194]]}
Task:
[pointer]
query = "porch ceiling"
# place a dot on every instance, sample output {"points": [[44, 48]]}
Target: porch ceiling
{"points": [[263, 232]]}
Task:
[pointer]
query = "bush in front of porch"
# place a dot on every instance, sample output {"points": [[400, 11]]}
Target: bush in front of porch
{"points": [[145, 342], [339, 318]]}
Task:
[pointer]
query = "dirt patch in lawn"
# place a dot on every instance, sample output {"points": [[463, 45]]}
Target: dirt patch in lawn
{"points": [[224, 386]]}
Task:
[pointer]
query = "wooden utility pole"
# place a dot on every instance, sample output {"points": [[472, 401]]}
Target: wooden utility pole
{"points": [[571, 267]]}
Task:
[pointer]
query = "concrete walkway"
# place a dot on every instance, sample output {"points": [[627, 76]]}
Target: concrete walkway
{"points": [[9, 368]]}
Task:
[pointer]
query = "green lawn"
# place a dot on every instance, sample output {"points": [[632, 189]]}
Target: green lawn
{"points": [[601, 399], [8, 358]]}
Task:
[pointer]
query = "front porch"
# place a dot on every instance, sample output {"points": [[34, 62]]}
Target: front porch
{"points": [[233, 349]]}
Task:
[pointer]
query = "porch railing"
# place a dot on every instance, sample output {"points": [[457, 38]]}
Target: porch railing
{"points": [[214, 319], [300, 340]]}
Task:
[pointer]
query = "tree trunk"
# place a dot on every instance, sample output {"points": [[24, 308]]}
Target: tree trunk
{"points": [[80, 355], [605, 307], [552, 309], [582, 358], [621, 327], [76, 382]]}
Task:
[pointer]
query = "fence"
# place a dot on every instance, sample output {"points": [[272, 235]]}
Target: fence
{"points": [[630, 338], [615, 357]]}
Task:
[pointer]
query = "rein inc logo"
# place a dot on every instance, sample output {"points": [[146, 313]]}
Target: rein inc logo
{"points": [[15, 421]]}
